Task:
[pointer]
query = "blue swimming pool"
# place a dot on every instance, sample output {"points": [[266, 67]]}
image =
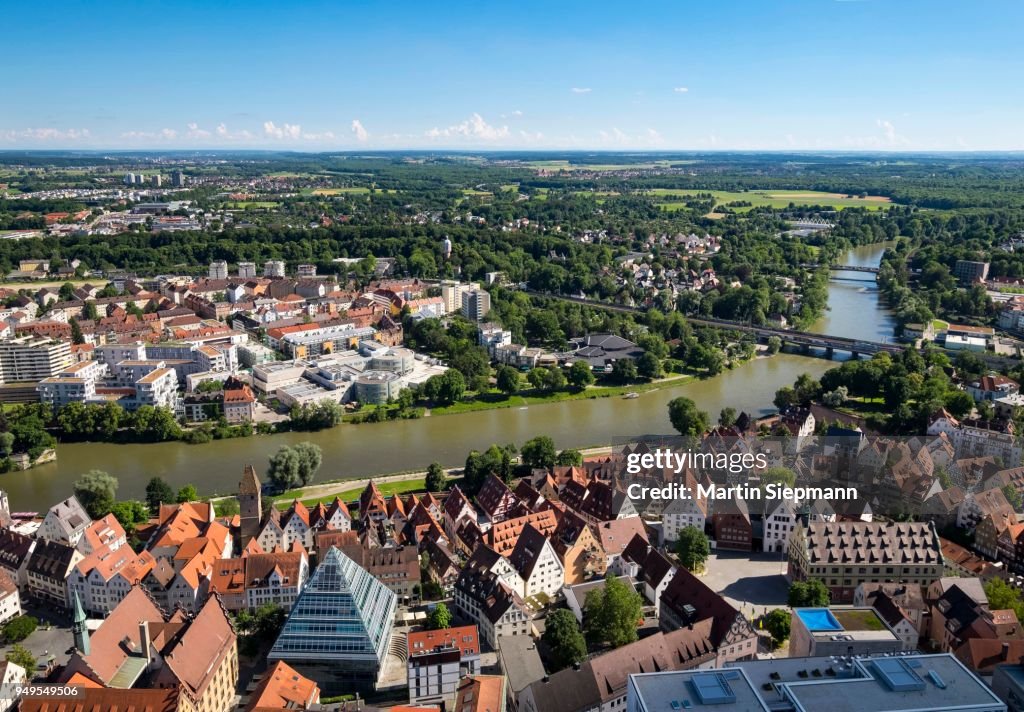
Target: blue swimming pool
{"points": [[818, 619]]}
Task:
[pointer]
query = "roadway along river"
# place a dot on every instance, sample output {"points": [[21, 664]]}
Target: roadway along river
{"points": [[352, 451]]}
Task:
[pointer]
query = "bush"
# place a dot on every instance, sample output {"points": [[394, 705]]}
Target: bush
{"points": [[17, 629]]}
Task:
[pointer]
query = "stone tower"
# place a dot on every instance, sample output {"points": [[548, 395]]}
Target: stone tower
{"points": [[5, 510], [249, 504], [78, 626]]}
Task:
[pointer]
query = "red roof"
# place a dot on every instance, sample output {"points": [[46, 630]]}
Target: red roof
{"points": [[465, 638]]}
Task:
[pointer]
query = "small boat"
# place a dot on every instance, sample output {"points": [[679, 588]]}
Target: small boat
{"points": [[632, 394]]}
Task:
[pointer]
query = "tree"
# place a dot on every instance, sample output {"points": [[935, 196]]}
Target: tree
{"points": [[580, 375], [624, 370], [129, 513], [187, 493], [777, 623], [537, 378], [808, 594], [564, 639], [554, 379], [611, 614], [158, 492], [507, 380], [1002, 596], [692, 548], [727, 417], [435, 480], [294, 465], [227, 507], [785, 397], [20, 655], [1013, 496], [19, 628], [569, 458], [686, 418], [835, 398], [76, 332], [774, 344], [445, 388], [439, 618], [649, 366], [96, 491], [539, 452]]}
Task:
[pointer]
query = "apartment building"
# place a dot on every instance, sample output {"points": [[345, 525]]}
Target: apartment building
{"points": [[438, 659], [33, 358]]}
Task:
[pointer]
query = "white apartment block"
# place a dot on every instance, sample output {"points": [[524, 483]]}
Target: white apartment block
{"points": [[75, 384], [158, 388], [273, 268], [32, 358], [218, 269]]}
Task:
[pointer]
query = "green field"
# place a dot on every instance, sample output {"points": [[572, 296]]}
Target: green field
{"points": [[252, 204], [347, 495], [350, 190], [671, 199]]}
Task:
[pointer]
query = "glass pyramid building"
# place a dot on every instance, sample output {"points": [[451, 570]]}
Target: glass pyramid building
{"points": [[339, 630]]}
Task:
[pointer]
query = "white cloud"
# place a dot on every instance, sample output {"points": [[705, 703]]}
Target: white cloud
{"points": [[222, 130], [285, 131], [45, 134], [195, 132], [887, 129], [169, 134], [618, 137], [531, 137], [517, 112], [325, 136], [359, 131], [581, 90], [681, 90], [472, 128]]}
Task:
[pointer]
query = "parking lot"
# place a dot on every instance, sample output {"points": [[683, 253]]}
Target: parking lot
{"points": [[753, 582]]}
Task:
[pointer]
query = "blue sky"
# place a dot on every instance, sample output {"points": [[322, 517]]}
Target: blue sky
{"points": [[344, 75]]}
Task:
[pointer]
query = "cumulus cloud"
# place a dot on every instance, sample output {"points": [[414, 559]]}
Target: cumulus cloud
{"points": [[517, 112], [285, 131], [472, 128], [324, 136], [359, 131], [581, 90], [195, 132], [45, 134], [681, 90], [618, 137], [888, 130]]}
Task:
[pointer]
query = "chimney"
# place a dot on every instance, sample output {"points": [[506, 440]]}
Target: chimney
{"points": [[1006, 652], [144, 641]]}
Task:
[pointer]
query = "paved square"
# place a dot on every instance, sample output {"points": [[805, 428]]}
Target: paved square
{"points": [[753, 582]]}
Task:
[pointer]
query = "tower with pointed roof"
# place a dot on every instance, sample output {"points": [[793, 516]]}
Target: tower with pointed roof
{"points": [[78, 626], [250, 504]]}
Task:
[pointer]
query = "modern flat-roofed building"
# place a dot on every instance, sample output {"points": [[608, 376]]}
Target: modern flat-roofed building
{"points": [[475, 304], [901, 683], [970, 271], [841, 631], [273, 268], [218, 269], [33, 358]]}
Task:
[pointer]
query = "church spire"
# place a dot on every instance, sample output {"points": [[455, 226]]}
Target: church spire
{"points": [[79, 627]]}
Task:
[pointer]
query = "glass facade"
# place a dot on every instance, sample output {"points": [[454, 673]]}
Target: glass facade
{"points": [[343, 615]]}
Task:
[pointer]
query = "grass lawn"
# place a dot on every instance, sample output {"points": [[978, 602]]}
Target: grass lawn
{"points": [[351, 493], [671, 199], [939, 324], [479, 193]]}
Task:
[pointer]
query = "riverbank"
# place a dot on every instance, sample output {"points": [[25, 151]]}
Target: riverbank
{"points": [[408, 446]]}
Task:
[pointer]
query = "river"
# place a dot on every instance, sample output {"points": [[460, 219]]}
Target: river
{"points": [[353, 451]]}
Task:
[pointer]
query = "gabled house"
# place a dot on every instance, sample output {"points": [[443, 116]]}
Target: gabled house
{"points": [[64, 522], [537, 563]]}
